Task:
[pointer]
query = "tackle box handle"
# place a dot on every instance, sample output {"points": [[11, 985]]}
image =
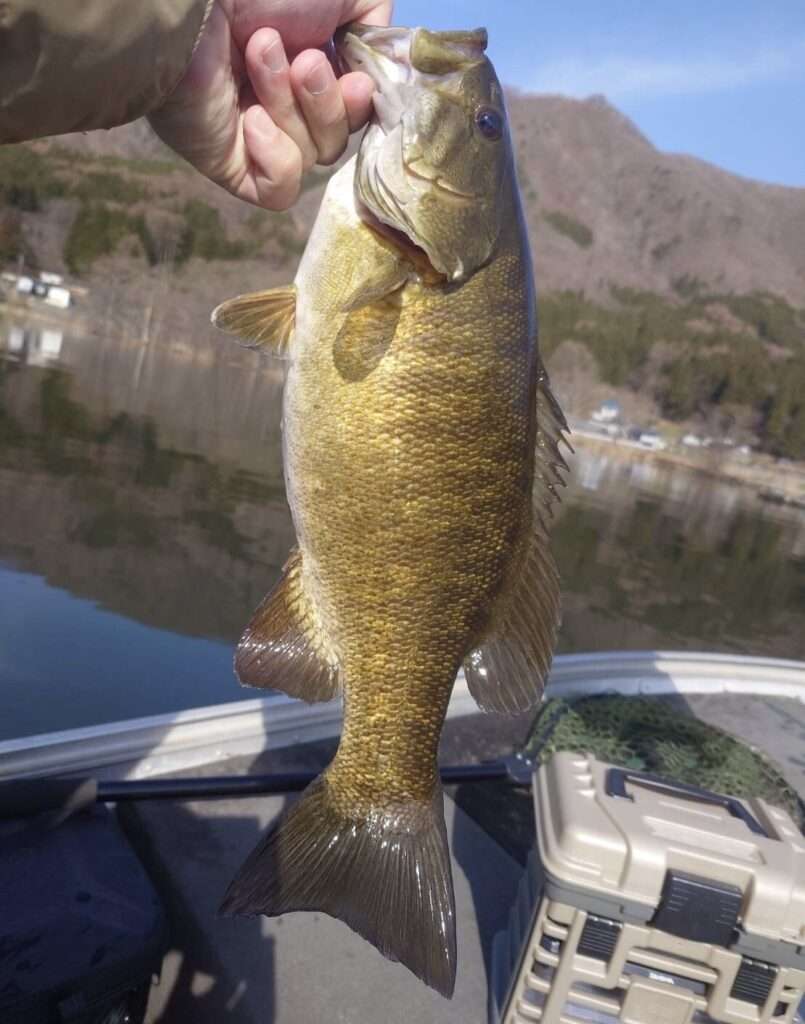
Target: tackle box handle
{"points": [[616, 779]]}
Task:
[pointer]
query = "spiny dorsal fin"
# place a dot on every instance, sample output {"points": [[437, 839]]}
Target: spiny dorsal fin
{"points": [[260, 319], [508, 671], [283, 647], [552, 430]]}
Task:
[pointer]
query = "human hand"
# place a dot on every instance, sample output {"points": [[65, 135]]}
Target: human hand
{"points": [[258, 105]]}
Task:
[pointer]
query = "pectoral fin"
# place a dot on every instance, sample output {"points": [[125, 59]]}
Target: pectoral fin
{"points": [[283, 647], [508, 670], [365, 337], [261, 319], [386, 279]]}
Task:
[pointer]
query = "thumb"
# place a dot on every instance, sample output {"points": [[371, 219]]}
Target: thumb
{"points": [[370, 12], [274, 163]]}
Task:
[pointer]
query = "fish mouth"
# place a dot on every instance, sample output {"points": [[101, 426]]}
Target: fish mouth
{"points": [[385, 54], [403, 243]]}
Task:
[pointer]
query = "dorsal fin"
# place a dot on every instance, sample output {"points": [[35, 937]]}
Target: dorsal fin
{"points": [[549, 463], [260, 319], [508, 670]]}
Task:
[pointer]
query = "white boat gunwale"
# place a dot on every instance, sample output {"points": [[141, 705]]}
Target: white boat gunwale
{"points": [[160, 744]]}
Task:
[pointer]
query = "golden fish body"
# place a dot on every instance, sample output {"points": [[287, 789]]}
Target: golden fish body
{"points": [[414, 405], [410, 471]]}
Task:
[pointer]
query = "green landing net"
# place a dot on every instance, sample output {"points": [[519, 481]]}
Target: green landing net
{"points": [[653, 736]]}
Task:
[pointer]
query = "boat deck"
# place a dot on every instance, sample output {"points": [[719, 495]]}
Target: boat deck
{"points": [[311, 968]]}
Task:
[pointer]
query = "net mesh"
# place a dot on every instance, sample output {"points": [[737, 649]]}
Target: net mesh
{"points": [[653, 736]]}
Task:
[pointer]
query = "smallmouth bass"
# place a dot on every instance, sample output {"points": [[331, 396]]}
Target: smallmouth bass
{"points": [[421, 446]]}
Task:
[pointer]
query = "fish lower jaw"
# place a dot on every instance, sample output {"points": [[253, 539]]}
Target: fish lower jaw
{"points": [[409, 250]]}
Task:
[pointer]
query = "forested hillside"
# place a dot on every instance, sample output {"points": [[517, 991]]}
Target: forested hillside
{"points": [[670, 283]]}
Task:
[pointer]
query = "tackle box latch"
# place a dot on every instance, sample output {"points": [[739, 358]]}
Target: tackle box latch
{"points": [[698, 909]]}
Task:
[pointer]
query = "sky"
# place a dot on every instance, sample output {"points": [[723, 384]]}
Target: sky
{"points": [[723, 80]]}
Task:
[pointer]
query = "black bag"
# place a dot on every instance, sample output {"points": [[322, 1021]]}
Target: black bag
{"points": [[82, 931]]}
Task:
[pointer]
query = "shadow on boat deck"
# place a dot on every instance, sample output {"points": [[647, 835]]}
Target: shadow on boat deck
{"points": [[311, 967], [306, 966], [196, 985]]}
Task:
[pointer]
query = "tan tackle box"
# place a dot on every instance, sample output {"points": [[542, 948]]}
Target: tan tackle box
{"points": [[650, 902]]}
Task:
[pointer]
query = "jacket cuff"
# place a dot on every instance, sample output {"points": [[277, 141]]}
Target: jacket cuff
{"points": [[77, 65]]}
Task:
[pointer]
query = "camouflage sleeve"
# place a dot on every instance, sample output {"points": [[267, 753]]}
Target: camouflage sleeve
{"points": [[75, 65]]}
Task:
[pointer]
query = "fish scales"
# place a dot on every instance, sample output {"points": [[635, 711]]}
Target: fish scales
{"points": [[434, 448], [421, 448]]}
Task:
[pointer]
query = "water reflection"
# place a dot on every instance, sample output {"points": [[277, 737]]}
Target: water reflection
{"points": [[144, 516], [32, 345], [657, 557]]}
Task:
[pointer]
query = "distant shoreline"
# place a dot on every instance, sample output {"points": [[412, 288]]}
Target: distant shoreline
{"points": [[42, 315], [760, 472], [783, 482]]}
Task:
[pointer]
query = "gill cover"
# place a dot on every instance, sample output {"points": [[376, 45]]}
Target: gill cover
{"points": [[435, 162]]}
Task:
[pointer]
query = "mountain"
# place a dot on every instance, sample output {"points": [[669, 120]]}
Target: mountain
{"points": [[666, 282], [645, 219], [603, 205]]}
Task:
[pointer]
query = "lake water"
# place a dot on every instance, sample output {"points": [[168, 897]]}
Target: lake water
{"points": [[143, 517]]}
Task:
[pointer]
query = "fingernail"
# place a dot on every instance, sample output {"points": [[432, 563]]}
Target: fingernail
{"points": [[319, 78], [274, 57]]}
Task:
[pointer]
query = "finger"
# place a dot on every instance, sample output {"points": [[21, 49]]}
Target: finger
{"points": [[357, 90], [270, 76], [315, 87], [304, 24], [370, 12], [275, 163]]}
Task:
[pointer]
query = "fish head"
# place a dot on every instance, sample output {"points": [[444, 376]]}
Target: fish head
{"points": [[435, 163]]}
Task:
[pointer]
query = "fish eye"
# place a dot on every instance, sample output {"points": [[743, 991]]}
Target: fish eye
{"points": [[490, 123]]}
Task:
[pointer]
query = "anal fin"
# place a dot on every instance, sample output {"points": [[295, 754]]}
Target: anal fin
{"points": [[508, 670], [282, 648], [260, 319]]}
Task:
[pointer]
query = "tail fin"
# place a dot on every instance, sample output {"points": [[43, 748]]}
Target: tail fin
{"points": [[387, 876]]}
